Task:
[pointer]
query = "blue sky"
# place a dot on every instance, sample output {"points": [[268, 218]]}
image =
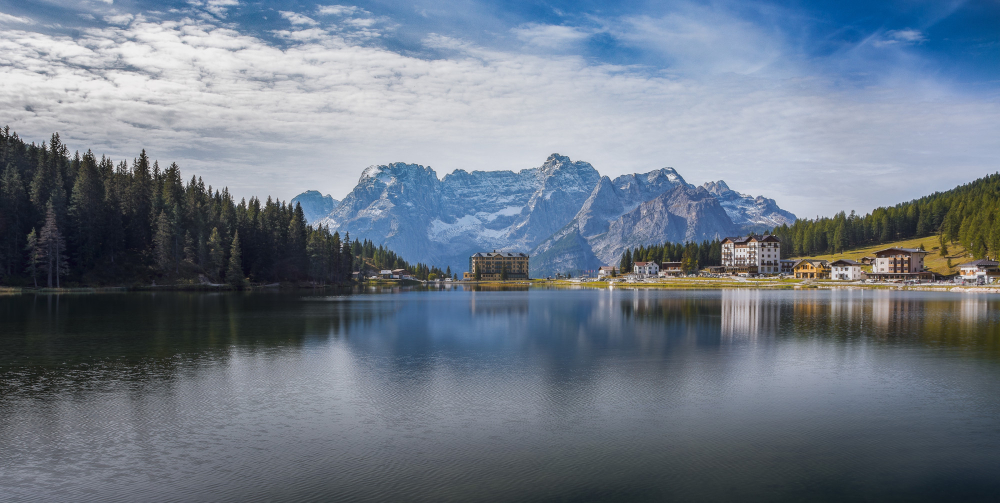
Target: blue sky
{"points": [[821, 105]]}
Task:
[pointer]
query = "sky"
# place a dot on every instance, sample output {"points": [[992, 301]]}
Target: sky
{"points": [[822, 105]]}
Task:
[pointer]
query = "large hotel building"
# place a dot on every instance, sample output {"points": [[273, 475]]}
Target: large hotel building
{"points": [[492, 265], [752, 254]]}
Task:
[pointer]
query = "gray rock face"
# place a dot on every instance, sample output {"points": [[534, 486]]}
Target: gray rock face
{"points": [[562, 212], [747, 211], [315, 206], [679, 215]]}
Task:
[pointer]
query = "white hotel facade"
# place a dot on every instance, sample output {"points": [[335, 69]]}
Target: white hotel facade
{"points": [[752, 254]]}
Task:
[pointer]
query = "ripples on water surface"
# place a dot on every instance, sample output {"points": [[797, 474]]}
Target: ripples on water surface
{"points": [[511, 395]]}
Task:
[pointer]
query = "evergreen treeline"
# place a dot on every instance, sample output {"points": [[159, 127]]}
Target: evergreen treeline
{"points": [[692, 256], [369, 257], [968, 214], [83, 220]]}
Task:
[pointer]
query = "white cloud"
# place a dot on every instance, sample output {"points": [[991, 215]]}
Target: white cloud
{"points": [[338, 10], [118, 19], [7, 18], [550, 36], [907, 35], [270, 120], [897, 38], [703, 40], [296, 18], [218, 7]]}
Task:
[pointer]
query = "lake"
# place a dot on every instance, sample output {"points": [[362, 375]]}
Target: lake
{"points": [[524, 395]]}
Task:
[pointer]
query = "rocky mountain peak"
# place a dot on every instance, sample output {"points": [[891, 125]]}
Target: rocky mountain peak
{"points": [[397, 172], [716, 188]]}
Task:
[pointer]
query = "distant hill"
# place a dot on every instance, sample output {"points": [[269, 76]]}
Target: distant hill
{"points": [[967, 216]]}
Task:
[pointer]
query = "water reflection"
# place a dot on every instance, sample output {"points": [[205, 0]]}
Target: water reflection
{"points": [[536, 395], [747, 314]]}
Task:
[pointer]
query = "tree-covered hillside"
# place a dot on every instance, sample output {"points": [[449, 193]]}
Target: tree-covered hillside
{"points": [[83, 220], [968, 214]]}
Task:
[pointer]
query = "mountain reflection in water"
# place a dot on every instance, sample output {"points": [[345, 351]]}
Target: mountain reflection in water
{"points": [[499, 394]]}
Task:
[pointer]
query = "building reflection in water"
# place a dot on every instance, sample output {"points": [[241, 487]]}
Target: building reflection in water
{"points": [[974, 308], [747, 315]]}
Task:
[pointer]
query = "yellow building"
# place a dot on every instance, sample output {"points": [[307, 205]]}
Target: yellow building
{"points": [[812, 269], [498, 265]]}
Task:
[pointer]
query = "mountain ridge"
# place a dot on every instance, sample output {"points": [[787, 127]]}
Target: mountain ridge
{"points": [[563, 212]]}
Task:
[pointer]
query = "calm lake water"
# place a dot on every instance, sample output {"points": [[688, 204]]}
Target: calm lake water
{"points": [[537, 395]]}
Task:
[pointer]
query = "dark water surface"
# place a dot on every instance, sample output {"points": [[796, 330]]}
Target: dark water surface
{"points": [[534, 395]]}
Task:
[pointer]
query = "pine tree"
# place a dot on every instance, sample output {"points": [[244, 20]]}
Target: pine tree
{"points": [[234, 273], [216, 255], [53, 248], [626, 263], [163, 242], [86, 212], [13, 210], [347, 258], [316, 249], [296, 250], [190, 253], [35, 254]]}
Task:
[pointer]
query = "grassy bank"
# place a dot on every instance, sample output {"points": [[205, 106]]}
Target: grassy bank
{"points": [[934, 261]]}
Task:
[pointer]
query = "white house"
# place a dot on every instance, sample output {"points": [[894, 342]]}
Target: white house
{"points": [[607, 271], [646, 269], [847, 270], [979, 269]]}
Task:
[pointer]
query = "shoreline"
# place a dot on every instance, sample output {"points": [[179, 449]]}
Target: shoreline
{"points": [[669, 284]]}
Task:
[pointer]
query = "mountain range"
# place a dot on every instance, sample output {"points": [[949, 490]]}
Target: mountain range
{"points": [[563, 213]]}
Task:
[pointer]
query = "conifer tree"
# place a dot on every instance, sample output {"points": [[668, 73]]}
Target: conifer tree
{"points": [[626, 262], [86, 212], [53, 248], [13, 211], [163, 242], [234, 272], [347, 258], [216, 255], [34, 256]]}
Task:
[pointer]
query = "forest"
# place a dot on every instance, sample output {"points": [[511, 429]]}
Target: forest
{"points": [[967, 214], [78, 220], [692, 256]]}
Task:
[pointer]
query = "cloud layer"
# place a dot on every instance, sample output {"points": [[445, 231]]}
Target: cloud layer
{"points": [[316, 101]]}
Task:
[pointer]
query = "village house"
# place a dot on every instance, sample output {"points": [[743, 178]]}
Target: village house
{"points": [[983, 268], [497, 265], [668, 269], [812, 269], [645, 269], [847, 270], [607, 272], [752, 254], [900, 264]]}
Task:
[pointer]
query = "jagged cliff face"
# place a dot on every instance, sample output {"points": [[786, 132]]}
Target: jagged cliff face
{"points": [[746, 210], [563, 212], [679, 215]]}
